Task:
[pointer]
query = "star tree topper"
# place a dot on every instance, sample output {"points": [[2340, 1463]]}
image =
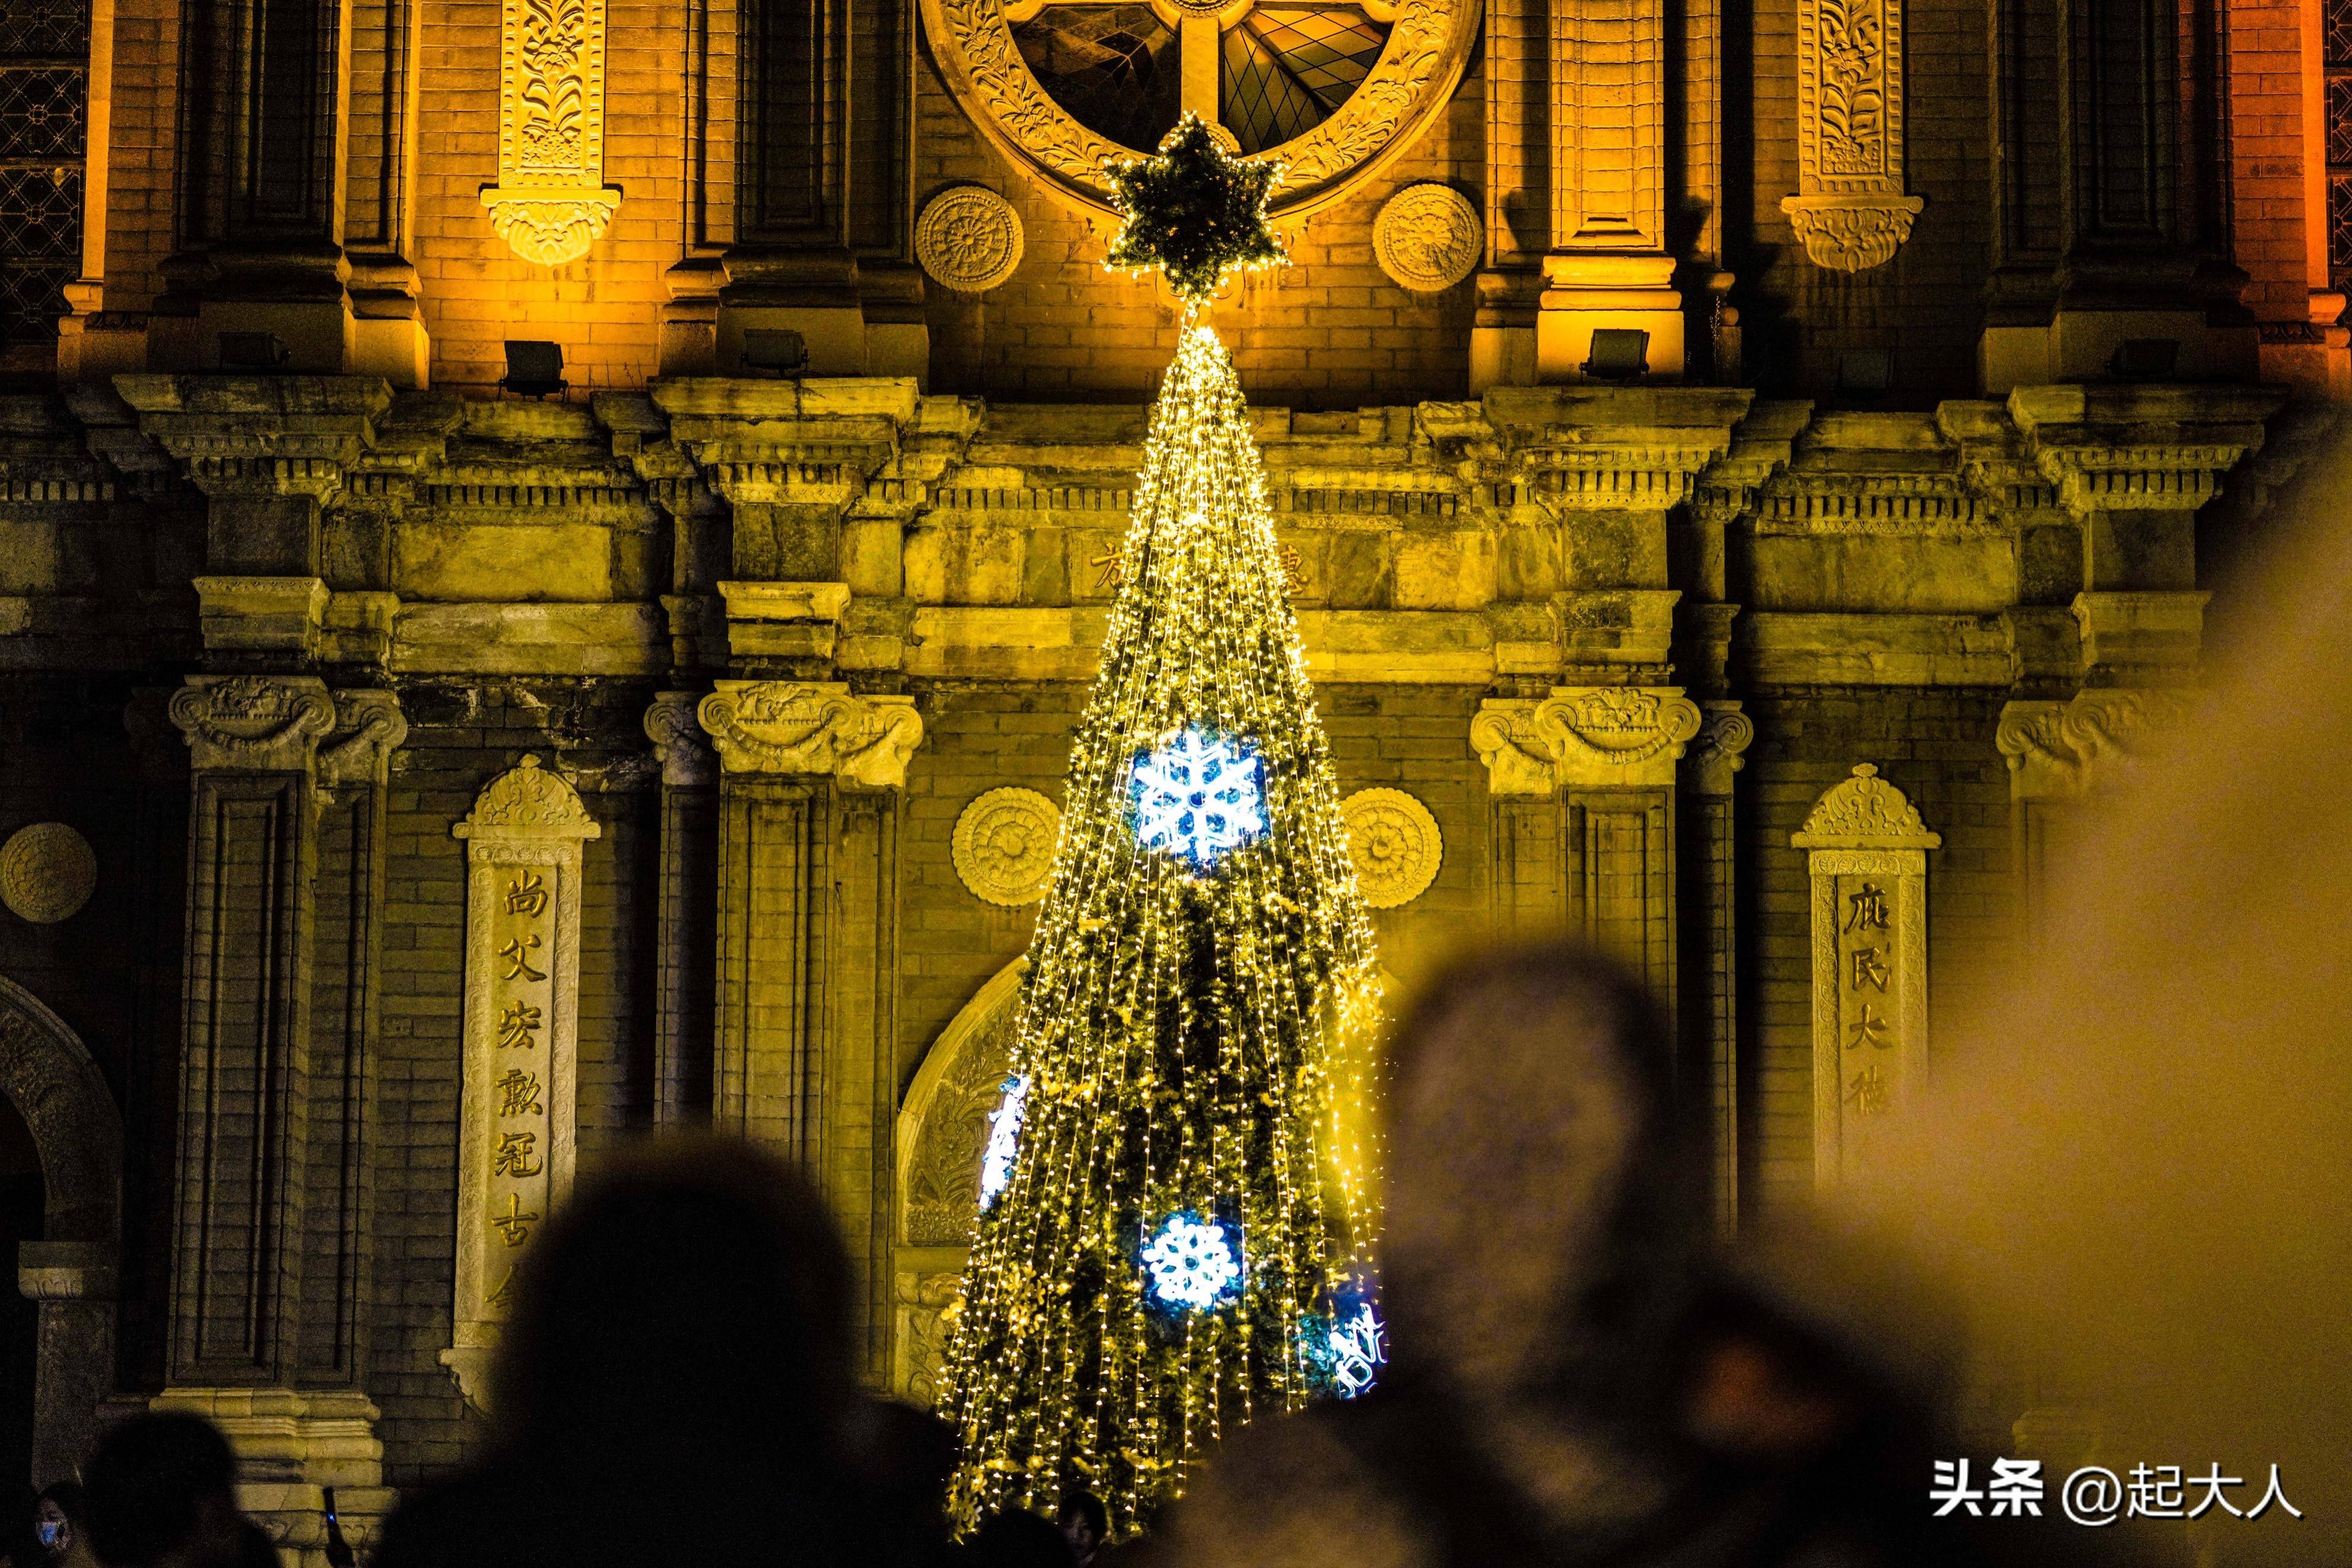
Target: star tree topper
{"points": [[1193, 211]]}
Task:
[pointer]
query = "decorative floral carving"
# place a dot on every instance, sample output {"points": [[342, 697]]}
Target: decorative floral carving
{"points": [[1428, 237], [527, 797], [1864, 812], [928, 1305], [968, 239], [793, 727], [551, 202], [943, 1181], [46, 873], [1619, 725], [253, 723], [1415, 76], [1395, 844], [1004, 845], [1850, 210]]}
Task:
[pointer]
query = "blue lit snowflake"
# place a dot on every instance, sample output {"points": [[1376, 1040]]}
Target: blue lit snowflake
{"points": [[1198, 796], [1004, 1139], [1193, 1263]]}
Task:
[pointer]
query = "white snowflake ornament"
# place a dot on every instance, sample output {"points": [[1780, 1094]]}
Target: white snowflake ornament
{"points": [[1198, 796], [1193, 1263]]}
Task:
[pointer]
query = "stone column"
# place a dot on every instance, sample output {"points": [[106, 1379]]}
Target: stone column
{"points": [[1583, 830], [1608, 265], [1867, 855], [1708, 856], [684, 940], [807, 942]]}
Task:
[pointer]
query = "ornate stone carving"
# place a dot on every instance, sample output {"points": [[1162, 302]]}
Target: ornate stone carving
{"points": [[1850, 210], [680, 745], [551, 202], [928, 1306], [1428, 237], [968, 239], [1004, 843], [517, 1135], [943, 1191], [1715, 755], [1415, 76], [1864, 812], [2063, 751], [1394, 843], [369, 728], [806, 727], [1868, 861], [47, 871], [262, 724], [1594, 736]]}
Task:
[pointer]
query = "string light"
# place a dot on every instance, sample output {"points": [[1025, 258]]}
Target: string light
{"points": [[1183, 1029]]}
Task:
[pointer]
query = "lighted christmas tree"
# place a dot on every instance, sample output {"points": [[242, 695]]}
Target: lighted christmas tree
{"points": [[1171, 1239]]}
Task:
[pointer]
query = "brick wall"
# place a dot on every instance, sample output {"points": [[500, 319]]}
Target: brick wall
{"points": [[144, 147], [604, 309], [1330, 330], [2270, 168]]}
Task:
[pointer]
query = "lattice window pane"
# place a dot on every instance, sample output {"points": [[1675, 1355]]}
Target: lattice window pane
{"points": [[2340, 229], [1330, 51], [1113, 67], [57, 30], [40, 114], [32, 298], [2338, 45]]}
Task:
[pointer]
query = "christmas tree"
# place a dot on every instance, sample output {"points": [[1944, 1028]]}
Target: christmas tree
{"points": [[1170, 1241]]}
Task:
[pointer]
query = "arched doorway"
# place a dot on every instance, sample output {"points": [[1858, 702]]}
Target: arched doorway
{"points": [[68, 1114]]}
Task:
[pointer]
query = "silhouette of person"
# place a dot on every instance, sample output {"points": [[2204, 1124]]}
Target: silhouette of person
{"points": [[160, 1492], [1015, 1538], [1572, 1378], [675, 1384]]}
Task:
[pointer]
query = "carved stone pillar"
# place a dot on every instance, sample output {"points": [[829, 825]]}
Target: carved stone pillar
{"points": [[684, 940], [1850, 209], [1708, 856], [516, 1132], [1867, 856], [1583, 828], [551, 203], [285, 874], [2061, 754], [1609, 266], [807, 942]]}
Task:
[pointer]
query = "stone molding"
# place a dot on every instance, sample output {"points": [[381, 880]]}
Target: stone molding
{"points": [[253, 724], [1395, 844], [1428, 237], [1429, 43], [47, 871], [1850, 208], [968, 239], [1584, 737], [812, 727], [1004, 843], [1715, 752], [2071, 750], [369, 728], [1867, 859], [518, 1137], [551, 203], [274, 614], [259, 435], [680, 745], [1607, 71]]}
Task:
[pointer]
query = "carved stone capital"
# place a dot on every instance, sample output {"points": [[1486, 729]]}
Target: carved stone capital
{"points": [[1584, 737], [679, 742], [369, 728], [1852, 233], [1714, 753], [253, 724], [814, 728], [2068, 750]]}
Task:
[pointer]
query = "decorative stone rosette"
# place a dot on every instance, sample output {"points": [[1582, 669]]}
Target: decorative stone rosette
{"points": [[47, 871], [1005, 844], [1428, 237], [968, 239], [1395, 844]]}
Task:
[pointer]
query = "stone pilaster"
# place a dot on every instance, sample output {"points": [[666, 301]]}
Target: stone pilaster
{"points": [[1706, 857], [807, 941], [688, 900]]}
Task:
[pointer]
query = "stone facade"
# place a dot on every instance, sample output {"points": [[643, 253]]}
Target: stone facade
{"points": [[783, 611]]}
